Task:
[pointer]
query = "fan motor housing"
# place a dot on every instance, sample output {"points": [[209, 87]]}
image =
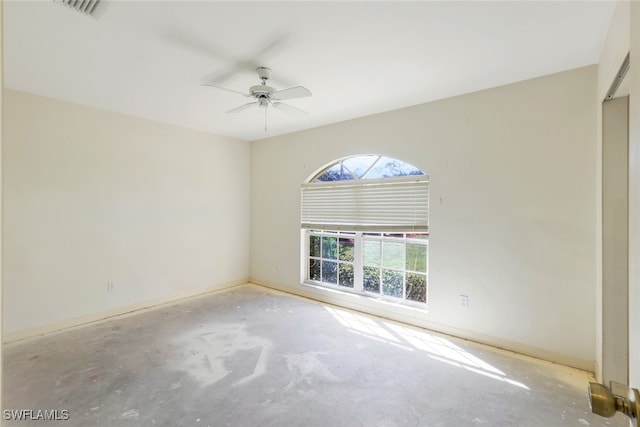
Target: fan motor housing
{"points": [[258, 90]]}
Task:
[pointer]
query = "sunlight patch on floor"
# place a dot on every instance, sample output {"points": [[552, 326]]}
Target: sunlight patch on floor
{"points": [[438, 348], [365, 326]]}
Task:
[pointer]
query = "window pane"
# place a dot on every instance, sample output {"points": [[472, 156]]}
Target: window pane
{"points": [[417, 257], [330, 247], [372, 253], [335, 173], [346, 250], [387, 167], [392, 283], [417, 287], [314, 246], [330, 272], [314, 269], [345, 275], [393, 255], [360, 164], [371, 280]]}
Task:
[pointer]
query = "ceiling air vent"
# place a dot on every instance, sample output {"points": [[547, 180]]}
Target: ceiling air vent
{"points": [[87, 7]]}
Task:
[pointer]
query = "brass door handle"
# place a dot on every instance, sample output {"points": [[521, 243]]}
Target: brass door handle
{"points": [[605, 403]]}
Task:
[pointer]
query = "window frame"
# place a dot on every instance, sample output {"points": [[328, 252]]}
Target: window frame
{"points": [[360, 237], [366, 206]]}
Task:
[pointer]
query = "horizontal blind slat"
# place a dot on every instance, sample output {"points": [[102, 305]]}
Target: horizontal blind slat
{"points": [[357, 205]]}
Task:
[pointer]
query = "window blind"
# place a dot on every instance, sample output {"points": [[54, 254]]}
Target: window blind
{"points": [[389, 204]]}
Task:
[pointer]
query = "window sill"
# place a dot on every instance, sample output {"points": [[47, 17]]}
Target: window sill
{"points": [[366, 298]]}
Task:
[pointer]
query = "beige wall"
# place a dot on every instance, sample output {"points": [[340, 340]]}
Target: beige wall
{"points": [[615, 196], [634, 201], [1, 174], [512, 215], [615, 49], [93, 197], [624, 37]]}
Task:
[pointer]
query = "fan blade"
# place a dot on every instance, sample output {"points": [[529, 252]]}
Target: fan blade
{"points": [[232, 62], [289, 109], [242, 107], [248, 64], [198, 45], [292, 92], [224, 88]]}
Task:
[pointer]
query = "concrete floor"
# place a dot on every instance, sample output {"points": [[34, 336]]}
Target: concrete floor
{"points": [[251, 357]]}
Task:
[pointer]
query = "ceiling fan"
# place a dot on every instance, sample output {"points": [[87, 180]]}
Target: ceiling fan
{"points": [[266, 96]]}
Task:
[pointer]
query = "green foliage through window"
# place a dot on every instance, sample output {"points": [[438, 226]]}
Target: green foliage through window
{"points": [[393, 265], [331, 259]]}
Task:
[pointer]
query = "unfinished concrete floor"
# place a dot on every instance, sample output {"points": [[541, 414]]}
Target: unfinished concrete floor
{"points": [[251, 357]]}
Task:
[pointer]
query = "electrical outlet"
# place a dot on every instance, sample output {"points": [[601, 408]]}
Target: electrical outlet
{"points": [[464, 301], [111, 286]]}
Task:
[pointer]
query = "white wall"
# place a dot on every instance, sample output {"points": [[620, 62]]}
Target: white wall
{"points": [[512, 214], [93, 196]]}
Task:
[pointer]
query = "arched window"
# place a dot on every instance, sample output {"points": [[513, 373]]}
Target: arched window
{"points": [[365, 221], [365, 167]]}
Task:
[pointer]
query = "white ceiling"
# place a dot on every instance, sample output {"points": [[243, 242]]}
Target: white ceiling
{"points": [[149, 58]]}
